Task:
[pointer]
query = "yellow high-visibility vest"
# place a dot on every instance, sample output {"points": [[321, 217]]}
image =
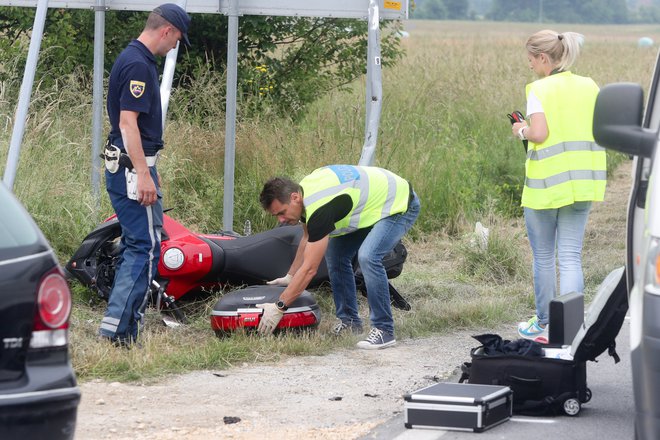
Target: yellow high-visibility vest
{"points": [[568, 166], [376, 193]]}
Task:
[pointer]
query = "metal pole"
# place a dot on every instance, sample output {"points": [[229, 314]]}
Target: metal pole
{"points": [[25, 93], [168, 75], [374, 87], [230, 117], [97, 101], [166, 82], [367, 96]]}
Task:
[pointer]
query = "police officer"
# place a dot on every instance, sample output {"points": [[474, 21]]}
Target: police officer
{"points": [[132, 182], [347, 211]]}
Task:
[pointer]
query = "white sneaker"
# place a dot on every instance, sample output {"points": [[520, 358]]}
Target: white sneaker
{"points": [[376, 340], [532, 330]]}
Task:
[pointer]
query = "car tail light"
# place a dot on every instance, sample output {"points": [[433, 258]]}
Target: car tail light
{"points": [[51, 319]]}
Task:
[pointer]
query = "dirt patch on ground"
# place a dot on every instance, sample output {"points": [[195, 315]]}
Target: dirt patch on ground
{"points": [[338, 396]]}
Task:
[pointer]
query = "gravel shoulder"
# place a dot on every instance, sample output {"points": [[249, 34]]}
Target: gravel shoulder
{"points": [[341, 395]]}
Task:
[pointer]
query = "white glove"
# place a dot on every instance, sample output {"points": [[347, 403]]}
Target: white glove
{"points": [[269, 319], [284, 281]]}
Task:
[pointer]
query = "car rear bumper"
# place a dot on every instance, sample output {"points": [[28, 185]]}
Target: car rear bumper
{"points": [[39, 414]]}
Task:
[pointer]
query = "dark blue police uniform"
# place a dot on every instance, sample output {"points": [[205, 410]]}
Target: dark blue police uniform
{"points": [[133, 86]]}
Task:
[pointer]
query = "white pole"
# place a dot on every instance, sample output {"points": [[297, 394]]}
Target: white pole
{"points": [[168, 75], [230, 118], [97, 101], [25, 93], [374, 88]]}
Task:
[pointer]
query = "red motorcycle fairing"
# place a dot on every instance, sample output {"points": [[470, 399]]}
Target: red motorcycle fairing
{"points": [[191, 262], [199, 258]]}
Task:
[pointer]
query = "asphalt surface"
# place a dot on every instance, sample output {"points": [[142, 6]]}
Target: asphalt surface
{"points": [[609, 414]]}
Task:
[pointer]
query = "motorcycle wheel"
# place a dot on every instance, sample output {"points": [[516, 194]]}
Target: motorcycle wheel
{"points": [[106, 258]]}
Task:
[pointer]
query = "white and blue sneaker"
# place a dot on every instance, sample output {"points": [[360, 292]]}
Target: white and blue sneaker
{"points": [[376, 340], [532, 330]]}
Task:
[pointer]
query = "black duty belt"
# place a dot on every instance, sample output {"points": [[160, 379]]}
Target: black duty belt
{"points": [[124, 159]]}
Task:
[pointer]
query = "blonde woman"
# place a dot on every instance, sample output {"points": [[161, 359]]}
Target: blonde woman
{"points": [[565, 170]]}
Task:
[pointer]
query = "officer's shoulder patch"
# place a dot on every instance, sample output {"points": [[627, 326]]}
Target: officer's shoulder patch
{"points": [[137, 88]]}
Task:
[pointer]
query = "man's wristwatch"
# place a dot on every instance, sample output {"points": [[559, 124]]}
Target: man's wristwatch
{"points": [[280, 305]]}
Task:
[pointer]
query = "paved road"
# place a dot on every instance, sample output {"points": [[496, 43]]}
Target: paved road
{"points": [[609, 414]]}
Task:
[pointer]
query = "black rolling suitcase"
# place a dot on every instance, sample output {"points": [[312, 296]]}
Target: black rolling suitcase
{"points": [[556, 382], [540, 385]]}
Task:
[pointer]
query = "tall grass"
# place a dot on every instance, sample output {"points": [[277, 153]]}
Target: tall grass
{"points": [[443, 126]]}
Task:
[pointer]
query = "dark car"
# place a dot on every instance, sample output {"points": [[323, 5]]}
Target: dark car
{"points": [[39, 396]]}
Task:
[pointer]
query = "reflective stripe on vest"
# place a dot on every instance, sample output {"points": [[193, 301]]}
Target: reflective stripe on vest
{"points": [[370, 203], [568, 166], [562, 148], [558, 179]]}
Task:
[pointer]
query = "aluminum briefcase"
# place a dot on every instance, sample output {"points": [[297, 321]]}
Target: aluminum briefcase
{"points": [[458, 406]]}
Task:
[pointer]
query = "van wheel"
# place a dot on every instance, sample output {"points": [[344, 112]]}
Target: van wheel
{"points": [[571, 407]]}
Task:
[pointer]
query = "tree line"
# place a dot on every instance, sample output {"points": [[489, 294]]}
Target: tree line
{"points": [[284, 63], [550, 11]]}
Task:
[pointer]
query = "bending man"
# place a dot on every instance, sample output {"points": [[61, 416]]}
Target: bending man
{"points": [[345, 210]]}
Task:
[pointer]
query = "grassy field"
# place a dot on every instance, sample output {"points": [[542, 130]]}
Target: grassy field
{"points": [[443, 126]]}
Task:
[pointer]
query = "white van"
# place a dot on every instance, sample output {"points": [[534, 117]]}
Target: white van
{"points": [[622, 124]]}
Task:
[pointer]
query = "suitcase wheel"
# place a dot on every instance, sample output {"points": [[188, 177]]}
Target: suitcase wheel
{"points": [[587, 396], [571, 407]]}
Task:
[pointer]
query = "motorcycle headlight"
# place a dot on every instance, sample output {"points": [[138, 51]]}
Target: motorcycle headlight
{"points": [[173, 258]]}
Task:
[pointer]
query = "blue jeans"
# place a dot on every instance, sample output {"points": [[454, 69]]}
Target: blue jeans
{"points": [[371, 246], [559, 231], [141, 228]]}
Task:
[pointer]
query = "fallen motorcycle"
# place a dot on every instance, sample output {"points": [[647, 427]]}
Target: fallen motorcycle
{"points": [[192, 263]]}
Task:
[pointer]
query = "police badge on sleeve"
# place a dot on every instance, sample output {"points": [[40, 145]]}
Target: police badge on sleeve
{"points": [[137, 88]]}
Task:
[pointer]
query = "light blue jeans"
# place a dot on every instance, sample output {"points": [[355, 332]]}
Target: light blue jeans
{"points": [[370, 245], [556, 232]]}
